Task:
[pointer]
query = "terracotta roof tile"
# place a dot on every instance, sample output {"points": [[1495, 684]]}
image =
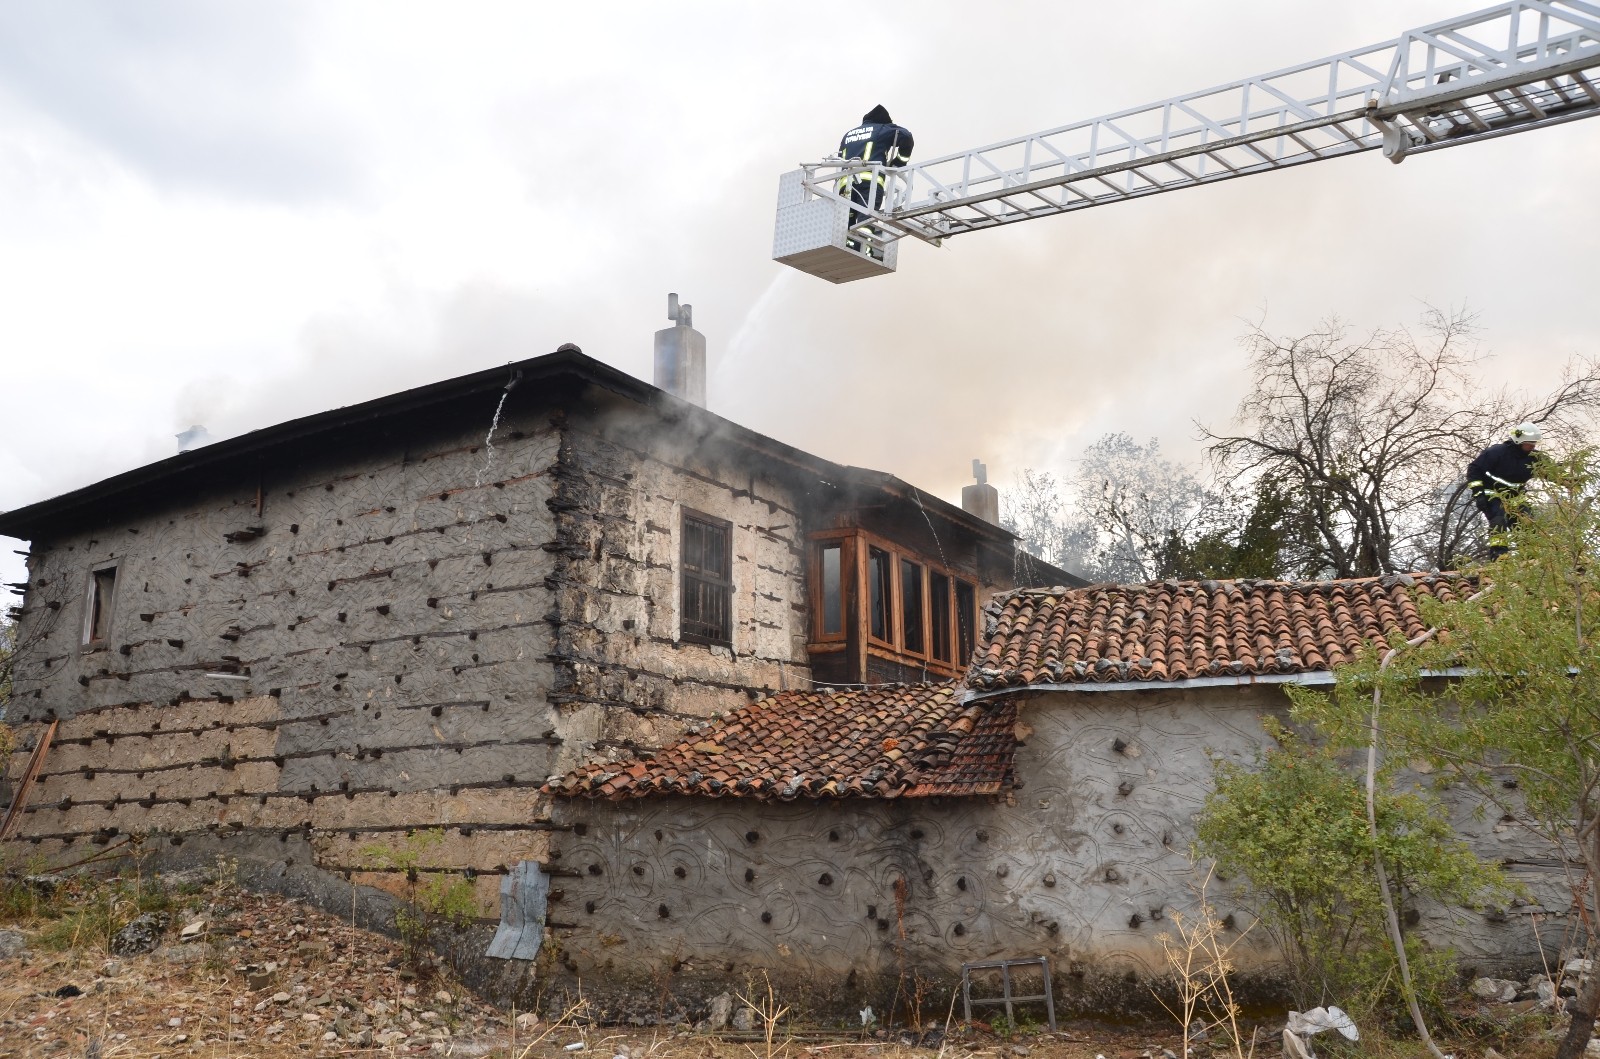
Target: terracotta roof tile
{"points": [[890, 741], [1180, 630]]}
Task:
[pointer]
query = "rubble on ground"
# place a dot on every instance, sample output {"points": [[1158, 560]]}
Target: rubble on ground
{"points": [[259, 969]]}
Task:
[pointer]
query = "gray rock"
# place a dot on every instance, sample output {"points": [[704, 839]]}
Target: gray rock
{"points": [[1497, 989], [192, 952], [744, 1020], [43, 885], [140, 936], [12, 943], [721, 1012], [188, 879], [1578, 967]]}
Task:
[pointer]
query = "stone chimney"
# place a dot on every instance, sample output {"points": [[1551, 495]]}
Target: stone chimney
{"points": [[981, 499], [681, 355], [193, 438]]}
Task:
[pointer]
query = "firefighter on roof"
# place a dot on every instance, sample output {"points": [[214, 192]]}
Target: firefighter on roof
{"points": [[876, 140], [1498, 475]]}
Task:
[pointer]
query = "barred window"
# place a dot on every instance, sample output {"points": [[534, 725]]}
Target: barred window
{"points": [[706, 614]]}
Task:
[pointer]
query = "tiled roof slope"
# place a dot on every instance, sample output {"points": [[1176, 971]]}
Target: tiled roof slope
{"points": [[890, 741], [1181, 630]]}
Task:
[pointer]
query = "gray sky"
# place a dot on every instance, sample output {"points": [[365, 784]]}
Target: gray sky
{"points": [[239, 214]]}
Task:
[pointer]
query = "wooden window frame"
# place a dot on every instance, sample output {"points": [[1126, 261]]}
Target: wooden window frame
{"points": [[855, 546], [725, 584], [98, 603], [845, 539]]}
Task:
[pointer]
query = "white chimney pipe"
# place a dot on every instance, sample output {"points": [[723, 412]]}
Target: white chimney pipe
{"points": [[681, 355]]}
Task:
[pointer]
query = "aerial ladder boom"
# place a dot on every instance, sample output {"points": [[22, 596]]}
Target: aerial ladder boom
{"points": [[1506, 69]]}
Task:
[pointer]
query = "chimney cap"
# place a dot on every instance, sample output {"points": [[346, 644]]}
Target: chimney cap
{"points": [[682, 315]]}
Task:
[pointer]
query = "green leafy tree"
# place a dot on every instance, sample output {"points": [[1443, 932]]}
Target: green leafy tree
{"points": [[1295, 826], [1234, 542], [1528, 705]]}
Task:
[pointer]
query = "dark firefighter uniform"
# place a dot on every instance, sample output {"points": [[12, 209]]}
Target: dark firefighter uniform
{"points": [[877, 139], [1498, 474]]}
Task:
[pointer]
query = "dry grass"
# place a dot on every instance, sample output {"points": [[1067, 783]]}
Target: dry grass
{"points": [[346, 980]]}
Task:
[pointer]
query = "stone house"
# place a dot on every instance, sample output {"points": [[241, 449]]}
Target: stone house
{"points": [[853, 839], [304, 644]]}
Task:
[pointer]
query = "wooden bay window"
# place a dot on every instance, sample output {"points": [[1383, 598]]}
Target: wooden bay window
{"points": [[873, 600]]}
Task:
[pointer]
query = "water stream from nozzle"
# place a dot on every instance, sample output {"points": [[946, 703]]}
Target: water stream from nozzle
{"points": [[494, 424]]}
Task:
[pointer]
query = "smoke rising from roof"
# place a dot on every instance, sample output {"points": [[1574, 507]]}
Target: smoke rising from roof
{"points": [[239, 215]]}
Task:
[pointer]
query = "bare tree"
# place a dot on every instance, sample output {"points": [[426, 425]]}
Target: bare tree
{"points": [[1372, 435], [1034, 511], [1123, 506], [1136, 501], [8, 659]]}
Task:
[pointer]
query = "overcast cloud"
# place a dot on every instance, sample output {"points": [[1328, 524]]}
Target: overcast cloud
{"points": [[238, 214]]}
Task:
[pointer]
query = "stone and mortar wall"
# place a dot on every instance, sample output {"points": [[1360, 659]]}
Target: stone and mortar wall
{"points": [[624, 678], [393, 620], [1084, 864], [427, 635]]}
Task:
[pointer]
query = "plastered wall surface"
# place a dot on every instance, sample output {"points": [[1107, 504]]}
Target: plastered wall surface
{"points": [[428, 632], [1085, 863]]}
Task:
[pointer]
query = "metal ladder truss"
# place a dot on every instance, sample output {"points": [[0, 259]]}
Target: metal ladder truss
{"points": [[1509, 68]]}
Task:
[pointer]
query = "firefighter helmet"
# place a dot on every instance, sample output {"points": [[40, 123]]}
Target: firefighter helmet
{"points": [[1526, 432]]}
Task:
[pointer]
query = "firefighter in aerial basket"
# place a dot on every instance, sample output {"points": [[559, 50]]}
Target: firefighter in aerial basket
{"points": [[1498, 476], [877, 139]]}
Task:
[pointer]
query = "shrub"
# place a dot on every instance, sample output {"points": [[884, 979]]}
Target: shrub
{"points": [[1295, 827]]}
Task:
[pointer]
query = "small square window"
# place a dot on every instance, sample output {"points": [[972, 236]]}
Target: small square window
{"points": [[102, 598], [706, 612]]}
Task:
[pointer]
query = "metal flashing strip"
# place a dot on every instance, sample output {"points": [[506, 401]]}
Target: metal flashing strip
{"points": [[1320, 677], [524, 897]]}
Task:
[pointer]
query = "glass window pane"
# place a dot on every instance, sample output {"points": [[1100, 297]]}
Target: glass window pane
{"points": [[911, 606], [966, 613], [832, 599], [939, 612], [878, 573]]}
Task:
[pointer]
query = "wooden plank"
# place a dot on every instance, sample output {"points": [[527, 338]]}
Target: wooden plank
{"points": [[35, 764]]}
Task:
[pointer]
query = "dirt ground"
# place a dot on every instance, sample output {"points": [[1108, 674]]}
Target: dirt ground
{"points": [[250, 975]]}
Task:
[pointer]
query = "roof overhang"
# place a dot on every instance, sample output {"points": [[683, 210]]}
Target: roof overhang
{"points": [[93, 504]]}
